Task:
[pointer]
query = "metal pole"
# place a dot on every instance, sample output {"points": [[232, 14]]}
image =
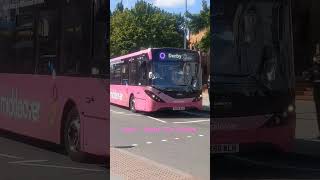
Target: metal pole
{"points": [[185, 27]]}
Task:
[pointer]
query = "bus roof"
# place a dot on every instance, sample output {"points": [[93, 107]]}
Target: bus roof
{"points": [[145, 51], [148, 51]]}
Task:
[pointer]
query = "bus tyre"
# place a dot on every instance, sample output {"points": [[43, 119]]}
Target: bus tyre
{"points": [[72, 134], [132, 104]]}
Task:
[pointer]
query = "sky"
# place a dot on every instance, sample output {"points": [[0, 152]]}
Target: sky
{"points": [[174, 6]]}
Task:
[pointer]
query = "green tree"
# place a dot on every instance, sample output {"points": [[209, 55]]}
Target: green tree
{"points": [[199, 22], [144, 26]]}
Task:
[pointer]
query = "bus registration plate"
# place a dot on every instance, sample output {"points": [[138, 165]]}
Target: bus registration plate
{"points": [[179, 108], [225, 148]]}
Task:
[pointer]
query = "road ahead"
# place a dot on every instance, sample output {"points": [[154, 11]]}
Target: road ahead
{"points": [[185, 146], [31, 160]]}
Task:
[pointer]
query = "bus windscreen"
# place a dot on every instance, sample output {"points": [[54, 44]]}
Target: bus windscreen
{"points": [[175, 70], [248, 38]]}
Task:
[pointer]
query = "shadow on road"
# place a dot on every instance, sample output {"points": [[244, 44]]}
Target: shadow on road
{"points": [[59, 149], [171, 114], [180, 114]]}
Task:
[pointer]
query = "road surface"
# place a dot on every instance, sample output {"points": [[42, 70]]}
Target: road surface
{"points": [[184, 146], [23, 158]]}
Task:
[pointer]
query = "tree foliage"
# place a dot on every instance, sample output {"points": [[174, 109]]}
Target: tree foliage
{"points": [[144, 26], [199, 22]]}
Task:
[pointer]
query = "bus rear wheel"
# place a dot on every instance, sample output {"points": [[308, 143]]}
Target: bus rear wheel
{"points": [[132, 104], [72, 136]]}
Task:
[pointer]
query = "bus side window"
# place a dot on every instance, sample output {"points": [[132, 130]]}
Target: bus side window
{"points": [[116, 74], [125, 73], [133, 66], [7, 42], [24, 41]]}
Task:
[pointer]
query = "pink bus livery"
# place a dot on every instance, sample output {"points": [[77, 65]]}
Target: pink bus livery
{"points": [[54, 75], [156, 79]]}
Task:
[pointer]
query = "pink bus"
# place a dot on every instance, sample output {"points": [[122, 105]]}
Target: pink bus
{"points": [[53, 73], [253, 79], [157, 79]]}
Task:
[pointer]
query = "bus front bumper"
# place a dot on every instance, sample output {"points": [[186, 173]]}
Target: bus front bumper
{"points": [[156, 106]]}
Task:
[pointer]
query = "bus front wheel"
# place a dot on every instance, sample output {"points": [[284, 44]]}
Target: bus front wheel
{"points": [[72, 136], [132, 104]]}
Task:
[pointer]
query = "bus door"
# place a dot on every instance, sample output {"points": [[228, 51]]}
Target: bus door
{"points": [[138, 79]]}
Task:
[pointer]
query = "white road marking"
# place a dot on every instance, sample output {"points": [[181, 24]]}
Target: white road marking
{"points": [[189, 136], [61, 167], [186, 122], [10, 156], [156, 119], [133, 115], [125, 114], [134, 145], [201, 135], [164, 140], [177, 138], [118, 112], [149, 142], [27, 161]]}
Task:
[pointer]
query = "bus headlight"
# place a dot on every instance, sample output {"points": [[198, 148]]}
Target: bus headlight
{"points": [[153, 96]]}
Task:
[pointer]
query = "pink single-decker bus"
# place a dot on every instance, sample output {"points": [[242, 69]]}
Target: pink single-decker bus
{"points": [[157, 79]]}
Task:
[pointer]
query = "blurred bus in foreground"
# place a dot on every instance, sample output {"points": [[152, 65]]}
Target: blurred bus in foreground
{"points": [[253, 77], [53, 73]]}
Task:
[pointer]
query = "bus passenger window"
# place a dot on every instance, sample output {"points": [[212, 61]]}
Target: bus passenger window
{"points": [[143, 73], [133, 72], [125, 73], [116, 74]]}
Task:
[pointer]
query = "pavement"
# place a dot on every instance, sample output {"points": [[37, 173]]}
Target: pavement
{"points": [[307, 129], [132, 166]]}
